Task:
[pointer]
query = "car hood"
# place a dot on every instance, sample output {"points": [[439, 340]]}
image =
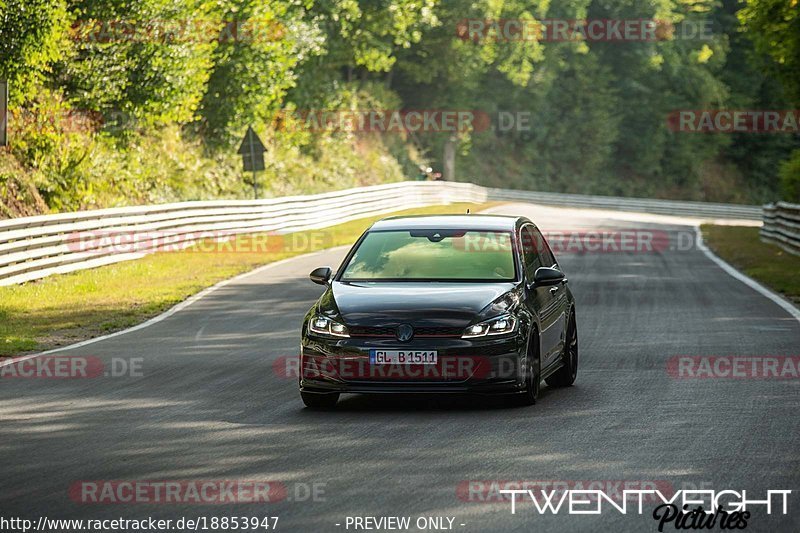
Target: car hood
{"points": [[382, 304]]}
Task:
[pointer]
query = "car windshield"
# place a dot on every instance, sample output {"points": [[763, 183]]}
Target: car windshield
{"points": [[433, 255]]}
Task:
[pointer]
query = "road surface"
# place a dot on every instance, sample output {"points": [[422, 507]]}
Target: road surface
{"points": [[210, 400]]}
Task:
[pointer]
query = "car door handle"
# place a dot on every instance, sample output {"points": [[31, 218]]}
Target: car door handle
{"points": [[553, 290]]}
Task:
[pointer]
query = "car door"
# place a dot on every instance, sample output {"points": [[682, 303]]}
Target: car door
{"points": [[541, 300], [559, 294]]}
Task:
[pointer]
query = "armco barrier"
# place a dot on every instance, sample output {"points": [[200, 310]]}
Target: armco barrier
{"points": [[37, 247], [643, 205], [782, 226]]}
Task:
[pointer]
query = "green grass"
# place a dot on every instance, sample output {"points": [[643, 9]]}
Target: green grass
{"points": [[766, 263], [68, 308]]}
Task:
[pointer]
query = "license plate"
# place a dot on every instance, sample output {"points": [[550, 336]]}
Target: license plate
{"points": [[403, 357]]}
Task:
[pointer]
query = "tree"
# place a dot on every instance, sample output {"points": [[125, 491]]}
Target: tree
{"points": [[251, 74], [148, 60], [774, 28], [33, 34]]}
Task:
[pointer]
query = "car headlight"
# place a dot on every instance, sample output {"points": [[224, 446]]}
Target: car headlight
{"points": [[322, 325], [496, 326]]}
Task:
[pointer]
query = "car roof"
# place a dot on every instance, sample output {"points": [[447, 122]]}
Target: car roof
{"points": [[467, 222]]}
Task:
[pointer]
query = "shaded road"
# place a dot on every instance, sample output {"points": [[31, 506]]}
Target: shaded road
{"points": [[212, 403]]}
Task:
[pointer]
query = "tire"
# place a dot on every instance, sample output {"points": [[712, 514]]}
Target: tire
{"points": [[532, 373], [565, 376], [319, 402]]}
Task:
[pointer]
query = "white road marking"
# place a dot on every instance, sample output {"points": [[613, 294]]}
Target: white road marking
{"points": [[165, 315], [750, 282]]}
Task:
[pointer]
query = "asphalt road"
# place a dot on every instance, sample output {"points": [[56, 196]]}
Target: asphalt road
{"points": [[211, 402]]}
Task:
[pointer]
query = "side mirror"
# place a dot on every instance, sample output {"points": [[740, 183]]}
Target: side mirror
{"points": [[545, 276], [321, 275]]}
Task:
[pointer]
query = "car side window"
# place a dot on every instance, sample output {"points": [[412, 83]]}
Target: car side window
{"points": [[546, 255], [530, 250]]}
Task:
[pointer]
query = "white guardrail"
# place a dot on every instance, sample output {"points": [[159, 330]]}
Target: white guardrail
{"points": [[37, 247], [782, 226]]}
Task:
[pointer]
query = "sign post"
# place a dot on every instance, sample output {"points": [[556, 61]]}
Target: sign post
{"points": [[450, 158], [3, 113], [252, 150]]}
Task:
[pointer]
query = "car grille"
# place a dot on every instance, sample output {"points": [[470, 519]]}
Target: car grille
{"points": [[361, 331], [366, 331]]}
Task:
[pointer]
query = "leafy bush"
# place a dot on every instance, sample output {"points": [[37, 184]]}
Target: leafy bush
{"points": [[790, 178]]}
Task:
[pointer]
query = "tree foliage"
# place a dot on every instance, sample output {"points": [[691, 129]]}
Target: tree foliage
{"points": [[774, 28], [33, 35], [159, 73]]}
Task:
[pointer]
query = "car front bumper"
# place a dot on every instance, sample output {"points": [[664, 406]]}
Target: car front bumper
{"points": [[487, 365]]}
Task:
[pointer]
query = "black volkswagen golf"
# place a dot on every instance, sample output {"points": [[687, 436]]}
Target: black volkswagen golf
{"points": [[453, 303]]}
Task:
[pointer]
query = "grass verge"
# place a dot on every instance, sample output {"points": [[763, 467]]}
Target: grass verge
{"points": [[69, 308], [766, 263]]}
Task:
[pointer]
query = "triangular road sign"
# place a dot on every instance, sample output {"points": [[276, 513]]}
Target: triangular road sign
{"points": [[251, 144]]}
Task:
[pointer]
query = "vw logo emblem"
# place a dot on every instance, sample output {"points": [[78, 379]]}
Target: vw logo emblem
{"points": [[404, 332]]}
